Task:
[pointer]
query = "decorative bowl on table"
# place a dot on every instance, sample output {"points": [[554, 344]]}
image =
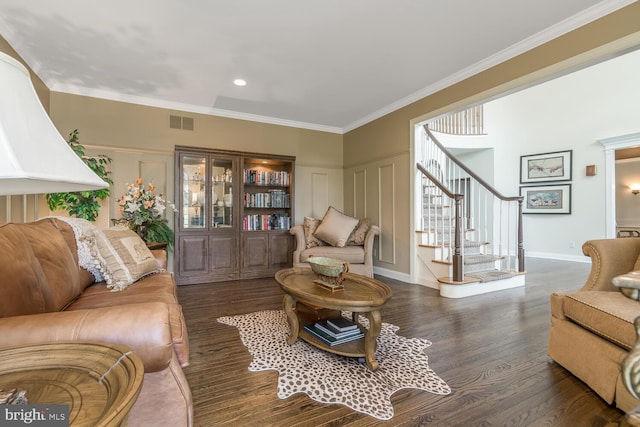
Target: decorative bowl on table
{"points": [[328, 272]]}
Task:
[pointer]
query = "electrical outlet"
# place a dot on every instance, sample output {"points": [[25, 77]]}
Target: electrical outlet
{"points": [[572, 244]]}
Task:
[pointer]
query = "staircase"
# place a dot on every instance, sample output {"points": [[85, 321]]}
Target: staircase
{"points": [[469, 241]]}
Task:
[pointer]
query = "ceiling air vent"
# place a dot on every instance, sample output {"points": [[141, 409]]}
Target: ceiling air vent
{"points": [[179, 122]]}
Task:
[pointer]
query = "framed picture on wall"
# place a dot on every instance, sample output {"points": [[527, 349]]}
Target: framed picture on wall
{"points": [[546, 199], [545, 167]]}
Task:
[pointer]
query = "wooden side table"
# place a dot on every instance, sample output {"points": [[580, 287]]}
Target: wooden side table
{"points": [[361, 294], [100, 382], [157, 245]]}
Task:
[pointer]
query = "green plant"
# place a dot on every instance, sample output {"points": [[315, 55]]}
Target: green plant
{"points": [[83, 204], [159, 231]]}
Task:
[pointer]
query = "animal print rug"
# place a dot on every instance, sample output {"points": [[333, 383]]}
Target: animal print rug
{"points": [[330, 378]]}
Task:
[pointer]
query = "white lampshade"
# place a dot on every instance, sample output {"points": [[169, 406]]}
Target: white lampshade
{"points": [[34, 158]]}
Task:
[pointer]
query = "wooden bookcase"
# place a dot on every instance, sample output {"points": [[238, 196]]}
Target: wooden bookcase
{"points": [[234, 214]]}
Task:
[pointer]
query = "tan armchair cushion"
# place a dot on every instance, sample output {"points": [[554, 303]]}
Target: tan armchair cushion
{"points": [[350, 254], [607, 314], [336, 227]]}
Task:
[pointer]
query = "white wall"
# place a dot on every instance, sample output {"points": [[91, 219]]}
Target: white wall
{"points": [[476, 152], [569, 113]]}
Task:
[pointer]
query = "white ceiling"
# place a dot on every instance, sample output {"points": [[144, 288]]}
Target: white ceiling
{"points": [[329, 65]]}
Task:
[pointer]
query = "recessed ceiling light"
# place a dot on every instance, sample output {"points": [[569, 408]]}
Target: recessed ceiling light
{"points": [[239, 82]]}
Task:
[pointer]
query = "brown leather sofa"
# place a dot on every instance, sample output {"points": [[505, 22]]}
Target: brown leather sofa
{"points": [[45, 296], [592, 329]]}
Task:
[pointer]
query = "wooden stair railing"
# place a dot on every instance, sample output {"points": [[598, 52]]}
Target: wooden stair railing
{"points": [[460, 184], [458, 273]]}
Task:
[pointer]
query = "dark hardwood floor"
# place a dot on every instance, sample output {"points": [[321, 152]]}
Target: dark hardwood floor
{"points": [[490, 349]]}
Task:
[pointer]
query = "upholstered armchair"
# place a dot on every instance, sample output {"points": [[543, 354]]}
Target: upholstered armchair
{"points": [[356, 248]]}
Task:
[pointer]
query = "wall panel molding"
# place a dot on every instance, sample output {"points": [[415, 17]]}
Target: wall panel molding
{"points": [[318, 165], [387, 157], [386, 213], [360, 193], [154, 172], [21, 208], [117, 149], [319, 194]]}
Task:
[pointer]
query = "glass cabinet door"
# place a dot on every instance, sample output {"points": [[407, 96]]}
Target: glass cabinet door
{"points": [[222, 193], [194, 196]]}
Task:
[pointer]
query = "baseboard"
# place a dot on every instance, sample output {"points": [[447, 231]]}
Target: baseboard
{"points": [[397, 275], [404, 277], [559, 257]]}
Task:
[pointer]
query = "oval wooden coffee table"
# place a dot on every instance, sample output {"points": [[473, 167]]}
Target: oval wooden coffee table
{"points": [[361, 295], [100, 382]]}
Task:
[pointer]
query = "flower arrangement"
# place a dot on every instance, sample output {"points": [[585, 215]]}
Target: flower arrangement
{"points": [[144, 211]]}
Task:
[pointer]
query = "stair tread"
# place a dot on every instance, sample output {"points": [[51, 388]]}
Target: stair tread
{"points": [[466, 243], [492, 275], [450, 281], [481, 258], [440, 230], [480, 277]]}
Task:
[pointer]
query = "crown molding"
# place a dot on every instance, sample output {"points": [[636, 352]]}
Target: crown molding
{"points": [[588, 15], [168, 105], [620, 141]]}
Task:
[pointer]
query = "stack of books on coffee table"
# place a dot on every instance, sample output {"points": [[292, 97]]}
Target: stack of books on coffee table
{"points": [[334, 331]]}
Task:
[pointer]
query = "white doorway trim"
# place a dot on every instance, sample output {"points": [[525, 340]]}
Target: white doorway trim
{"points": [[610, 146]]}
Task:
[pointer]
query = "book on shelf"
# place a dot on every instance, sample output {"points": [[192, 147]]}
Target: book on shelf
{"points": [[265, 177], [270, 199], [341, 324], [325, 327], [328, 339], [276, 221]]}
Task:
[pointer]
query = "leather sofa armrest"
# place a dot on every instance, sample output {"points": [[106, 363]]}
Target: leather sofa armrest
{"points": [[301, 245], [369, 239], [161, 257], [144, 327], [179, 336], [609, 258]]}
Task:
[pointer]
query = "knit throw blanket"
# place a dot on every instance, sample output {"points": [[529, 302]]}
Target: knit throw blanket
{"points": [[83, 231]]}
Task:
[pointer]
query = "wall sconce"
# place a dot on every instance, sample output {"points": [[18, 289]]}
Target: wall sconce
{"points": [[635, 189]]}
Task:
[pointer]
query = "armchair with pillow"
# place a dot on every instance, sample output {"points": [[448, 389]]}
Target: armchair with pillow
{"points": [[337, 236]]}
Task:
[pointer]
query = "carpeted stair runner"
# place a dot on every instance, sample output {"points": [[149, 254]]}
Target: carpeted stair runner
{"points": [[477, 265], [490, 276]]}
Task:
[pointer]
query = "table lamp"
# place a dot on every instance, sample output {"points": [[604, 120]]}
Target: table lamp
{"points": [[34, 158]]}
